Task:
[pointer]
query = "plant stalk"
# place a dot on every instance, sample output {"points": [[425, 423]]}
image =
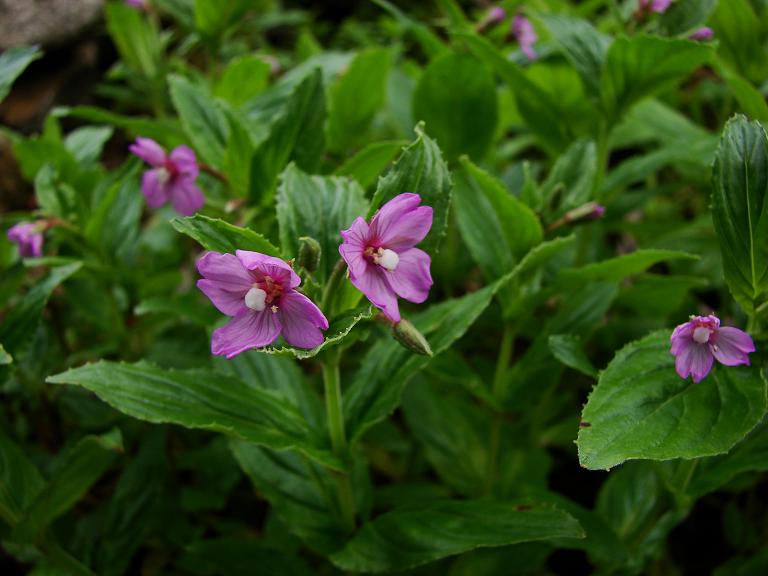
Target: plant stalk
{"points": [[498, 390]]}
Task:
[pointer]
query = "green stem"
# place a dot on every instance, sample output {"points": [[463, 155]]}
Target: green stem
{"points": [[331, 287], [335, 414], [498, 391], [602, 159]]}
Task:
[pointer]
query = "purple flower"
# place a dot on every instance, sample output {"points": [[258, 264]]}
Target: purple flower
{"points": [[259, 292], [658, 6], [702, 34], [697, 342], [526, 37], [493, 17], [138, 4], [172, 178], [383, 263], [28, 237]]}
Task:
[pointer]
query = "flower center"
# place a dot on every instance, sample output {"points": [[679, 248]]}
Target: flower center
{"points": [[701, 334], [384, 257], [256, 299]]}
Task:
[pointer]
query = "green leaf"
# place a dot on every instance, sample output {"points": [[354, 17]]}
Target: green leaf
{"points": [[456, 98], [356, 97], [318, 207], [583, 45], [20, 481], [297, 488], [114, 225], [750, 99], [537, 108], [295, 133], [738, 32], [5, 358], [411, 536], [621, 267], [219, 236], [19, 325], [213, 17], [55, 197], [338, 329], [135, 37], [163, 130], [572, 178], [77, 469], [420, 169], [685, 16], [202, 118], [86, 143], [740, 209], [13, 62], [200, 399], [641, 66], [242, 79], [569, 349], [641, 408], [497, 227], [368, 163]]}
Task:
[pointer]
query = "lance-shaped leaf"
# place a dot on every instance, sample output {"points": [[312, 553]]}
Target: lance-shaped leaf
{"points": [[20, 481], [77, 470], [456, 97], [318, 207], [420, 169], [740, 209], [414, 535], [618, 268], [219, 236], [200, 399], [641, 408], [12, 63]]}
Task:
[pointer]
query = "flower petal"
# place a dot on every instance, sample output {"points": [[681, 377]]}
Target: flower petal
{"points": [[185, 160], [353, 246], [401, 223], [186, 197], [247, 330], [225, 269], [695, 360], [732, 346], [228, 302], [682, 336], [270, 266], [411, 279], [149, 151], [154, 191], [374, 284], [301, 320]]}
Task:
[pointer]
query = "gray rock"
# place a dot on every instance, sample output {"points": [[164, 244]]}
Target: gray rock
{"points": [[46, 22]]}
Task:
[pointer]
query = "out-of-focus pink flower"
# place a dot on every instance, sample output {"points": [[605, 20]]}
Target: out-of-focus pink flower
{"points": [[28, 237], [138, 4], [259, 292], [494, 16], [382, 259], [658, 6], [172, 178], [702, 34], [701, 340], [526, 37]]}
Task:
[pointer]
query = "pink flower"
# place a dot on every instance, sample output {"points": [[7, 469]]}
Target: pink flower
{"points": [[28, 237], [658, 6], [383, 263], [697, 342], [138, 4], [173, 177], [702, 34], [526, 37], [258, 291], [493, 17]]}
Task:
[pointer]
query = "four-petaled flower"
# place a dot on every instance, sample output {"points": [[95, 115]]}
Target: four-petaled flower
{"points": [[172, 178], [383, 263], [526, 37], [259, 292], [28, 237], [701, 340]]}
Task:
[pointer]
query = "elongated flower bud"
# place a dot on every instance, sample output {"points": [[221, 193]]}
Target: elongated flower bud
{"points": [[309, 253], [409, 337]]}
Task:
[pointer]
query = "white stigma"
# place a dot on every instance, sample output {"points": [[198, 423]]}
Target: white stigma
{"points": [[701, 334], [255, 299], [163, 175], [387, 259]]}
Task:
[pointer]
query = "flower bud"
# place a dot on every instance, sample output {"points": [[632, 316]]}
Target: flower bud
{"points": [[309, 254], [409, 337]]}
